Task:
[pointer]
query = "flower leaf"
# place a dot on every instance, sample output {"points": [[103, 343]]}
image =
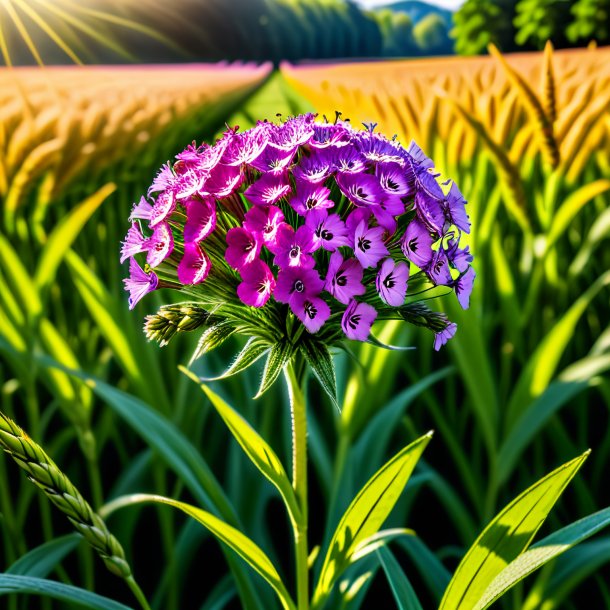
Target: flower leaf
{"points": [[212, 338], [256, 448], [278, 358], [251, 352], [321, 362], [507, 536], [367, 513]]}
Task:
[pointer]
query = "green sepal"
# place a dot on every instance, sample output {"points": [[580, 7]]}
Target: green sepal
{"points": [[212, 338], [278, 358], [252, 351], [321, 362]]}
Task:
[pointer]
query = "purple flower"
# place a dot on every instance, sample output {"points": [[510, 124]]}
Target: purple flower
{"points": [[268, 189], [257, 284], [243, 248], [348, 160], [245, 147], [459, 258], [163, 180], [200, 219], [357, 320], [310, 197], [368, 245], [222, 181], [160, 244], [293, 281], [441, 338], [361, 189], [375, 147], [355, 218], [344, 278], [454, 209], [315, 168], [293, 248], [463, 287], [263, 223], [311, 310], [134, 242], [141, 211], [395, 179], [190, 183], [294, 132], [273, 159], [194, 266], [139, 284], [438, 269], [417, 243], [327, 134], [430, 211], [391, 282], [418, 157], [329, 231], [209, 156], [163, 207]]}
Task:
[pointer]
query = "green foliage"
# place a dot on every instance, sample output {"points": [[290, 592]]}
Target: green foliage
{"points": [[591, 21], [430, 35], [478, 23], [540, 20]]}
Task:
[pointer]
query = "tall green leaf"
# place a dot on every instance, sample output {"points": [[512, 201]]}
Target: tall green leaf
{"points": [[542, 552], [321, 363], [507, 536], [278, 358], [255, 447], [403, 592], [42, 560], [367, 513], [231, 536], [13, 583]]}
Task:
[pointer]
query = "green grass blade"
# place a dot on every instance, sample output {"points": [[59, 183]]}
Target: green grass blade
{"points": [[542, 552], [64, 234], [256, 448], [507, 536], [231, 536], [367, 513], [542, 365], [12, 583], [321, 362], [399, 583], [42, 560], [277, 359]]}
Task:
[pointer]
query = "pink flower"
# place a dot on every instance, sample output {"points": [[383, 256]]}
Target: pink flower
{"points": [[391, 282], [358, 320], [344, 278], [257, 284], [194, 266], [139, 283], [294, 248], [243, 248]]}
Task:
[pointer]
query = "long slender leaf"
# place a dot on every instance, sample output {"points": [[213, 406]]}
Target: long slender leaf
{"points": [[401, 587], [42, 560], [231, 536], [277, 359], [507, 536], [542, 552], [13, 583], [367, 513], [255, 447]]}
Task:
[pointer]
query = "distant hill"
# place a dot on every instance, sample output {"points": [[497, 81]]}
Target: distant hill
{"points": [[418, 10]]}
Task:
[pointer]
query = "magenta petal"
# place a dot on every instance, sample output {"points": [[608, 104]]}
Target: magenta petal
{"points": [[273, 159], [222, 181], [257, 285], [139, 283], [243, 247], [358, 320], [293, 281], [200, 219], [311, 310], [141, 211], [344, 278], [330, 231], [264, 223], [161, 244], [268, 189], [134, 242], [361, 189], [194, 266], [163, 207]]}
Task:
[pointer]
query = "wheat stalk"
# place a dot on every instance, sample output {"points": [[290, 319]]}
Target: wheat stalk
{"points": [[44, 473]]}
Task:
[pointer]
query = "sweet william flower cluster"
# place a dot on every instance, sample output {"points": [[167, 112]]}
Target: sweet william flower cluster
{"points": [[339, 226]]}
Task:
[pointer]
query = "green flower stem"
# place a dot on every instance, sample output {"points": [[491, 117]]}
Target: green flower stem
{"points": [[133, 585], [299, 480]]}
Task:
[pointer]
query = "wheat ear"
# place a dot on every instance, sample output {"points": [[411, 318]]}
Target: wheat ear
{"points": [[44, 473]]}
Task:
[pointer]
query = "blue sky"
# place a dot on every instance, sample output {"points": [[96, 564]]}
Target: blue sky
{"points": [[450, 4]]}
